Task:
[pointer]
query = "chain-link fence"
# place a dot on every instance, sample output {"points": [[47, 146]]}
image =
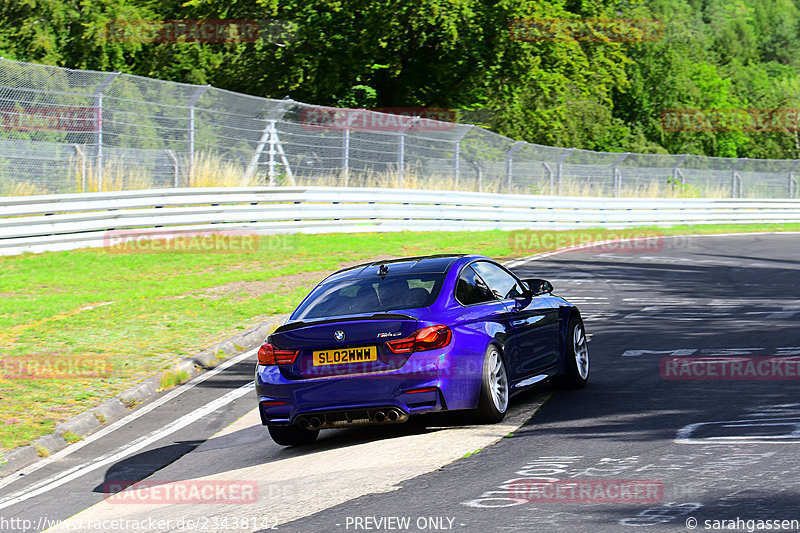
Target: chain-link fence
{"points": [[65, 130]]}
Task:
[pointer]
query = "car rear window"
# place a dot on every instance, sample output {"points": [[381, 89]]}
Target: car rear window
{"points": [[370, 295]]}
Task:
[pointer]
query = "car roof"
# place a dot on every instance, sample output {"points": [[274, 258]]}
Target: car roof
{"points": [[427, 264]]}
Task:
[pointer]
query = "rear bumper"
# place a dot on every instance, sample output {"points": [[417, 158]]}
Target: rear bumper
{"points": [[452, 375]]}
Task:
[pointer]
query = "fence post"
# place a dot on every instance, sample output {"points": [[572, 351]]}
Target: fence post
{"points": [[82, 155], [509, 162], [559, 162], [617, 175], [792, 182], [401, 157], [550, 177], [190, 127], [272, 152], [346, 157], [175, 168], [479, 173], [457, 152], [736, 180], [401, 149], [456, 160], [676, 172], [98, 132]]}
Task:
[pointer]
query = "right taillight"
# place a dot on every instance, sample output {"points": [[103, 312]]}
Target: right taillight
{"points": [[429, 338], [270, 355]]}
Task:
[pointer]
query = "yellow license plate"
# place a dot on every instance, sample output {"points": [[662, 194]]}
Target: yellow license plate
{"points": [[345, 355]]}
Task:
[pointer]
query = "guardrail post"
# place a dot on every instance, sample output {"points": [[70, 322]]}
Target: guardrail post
{"points": [[509, 162], [346, 156], [190, 127], [98, 132]]}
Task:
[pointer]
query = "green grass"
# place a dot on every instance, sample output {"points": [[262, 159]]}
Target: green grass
{"points": [[133, 315], [71, 437], [170, 379]]}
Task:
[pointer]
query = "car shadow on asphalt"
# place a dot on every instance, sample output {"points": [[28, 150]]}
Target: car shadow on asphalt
{"points": [[252, 446]]}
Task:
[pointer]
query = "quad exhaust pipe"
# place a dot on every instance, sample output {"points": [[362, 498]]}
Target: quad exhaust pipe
{"points": [[365, 417]]}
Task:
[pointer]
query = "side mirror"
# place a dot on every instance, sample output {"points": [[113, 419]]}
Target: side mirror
{"points": [[538, 286]]}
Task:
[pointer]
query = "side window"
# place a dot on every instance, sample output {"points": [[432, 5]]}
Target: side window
{"points": [[502, 284], [471, 289]]}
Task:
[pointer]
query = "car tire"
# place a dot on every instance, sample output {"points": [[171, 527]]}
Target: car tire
{"points": [[493, 403], [292, 435], [577, 352]]}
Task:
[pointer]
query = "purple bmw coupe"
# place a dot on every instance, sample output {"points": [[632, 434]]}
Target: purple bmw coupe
{"points": [[380, 342]]}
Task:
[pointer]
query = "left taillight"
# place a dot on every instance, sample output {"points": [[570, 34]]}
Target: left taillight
{"points": [[270, 355], [430, 338]]}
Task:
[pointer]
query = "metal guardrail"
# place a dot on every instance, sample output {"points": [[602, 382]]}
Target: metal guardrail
{"points": [[70, 221]]}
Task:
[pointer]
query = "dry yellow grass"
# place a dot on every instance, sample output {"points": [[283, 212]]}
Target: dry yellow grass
{"points": [[209, 170], [116, 176]]}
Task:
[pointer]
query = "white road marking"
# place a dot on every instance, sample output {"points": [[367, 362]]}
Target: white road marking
{"points": [[645, 312], [730, 352], [685, 434], [139, 444], [780, 351], [123, 421], [681, 352], [787, 313]]}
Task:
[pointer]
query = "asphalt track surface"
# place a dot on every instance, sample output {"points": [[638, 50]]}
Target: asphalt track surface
{"points": [[713, 453]]}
